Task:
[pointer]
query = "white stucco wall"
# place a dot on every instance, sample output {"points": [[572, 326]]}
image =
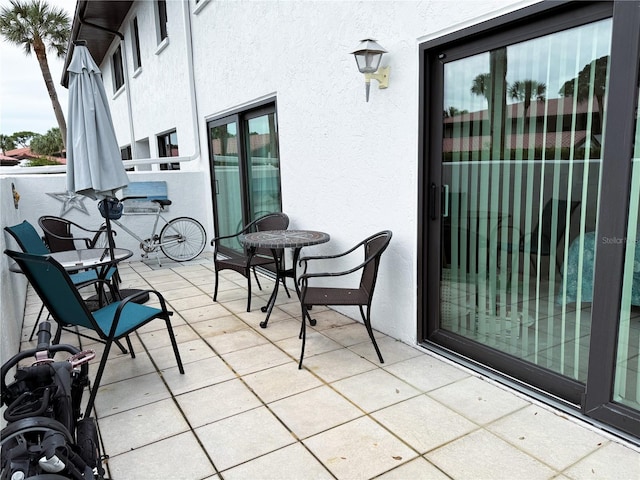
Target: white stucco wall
{"points": [[347, 167]]}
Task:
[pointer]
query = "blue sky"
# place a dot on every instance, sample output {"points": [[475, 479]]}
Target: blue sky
{"points": [[24, 101]]}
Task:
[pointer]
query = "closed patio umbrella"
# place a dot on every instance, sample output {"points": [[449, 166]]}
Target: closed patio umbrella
{"points": [[94, 166]]}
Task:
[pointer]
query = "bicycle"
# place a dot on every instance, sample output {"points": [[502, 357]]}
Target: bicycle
{"points": [[180, 239]]}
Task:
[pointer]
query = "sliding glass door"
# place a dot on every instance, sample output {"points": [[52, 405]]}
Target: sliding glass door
{"points": [[520, 170], [530, 191], [245, 168]]}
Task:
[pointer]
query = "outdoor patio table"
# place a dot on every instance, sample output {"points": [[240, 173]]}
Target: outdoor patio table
{"points": [[98, 258], [277, 240]]}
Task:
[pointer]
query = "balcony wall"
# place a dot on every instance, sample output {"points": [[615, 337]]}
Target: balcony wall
{"points": [[187, 190]]}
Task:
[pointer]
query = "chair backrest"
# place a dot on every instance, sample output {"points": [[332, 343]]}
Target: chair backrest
{"points": [[374, 246], [271, 221], [27, 238], [54, 287], [57, 233], [564, 209]]}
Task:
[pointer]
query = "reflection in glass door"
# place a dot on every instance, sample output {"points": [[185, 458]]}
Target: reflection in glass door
{"points": [[226, 171], [627, 378], [521, 158]]}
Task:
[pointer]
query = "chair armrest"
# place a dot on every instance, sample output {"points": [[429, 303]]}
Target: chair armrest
{"points": [[132, 298]]}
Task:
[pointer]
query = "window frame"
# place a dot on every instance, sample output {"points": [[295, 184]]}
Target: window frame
{"points": [[118, 69], [135, 44], [164, 142]]}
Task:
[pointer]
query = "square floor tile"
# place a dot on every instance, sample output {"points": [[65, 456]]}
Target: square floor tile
{"points": [[426, 372], [478, 400], [415, 469], [141, 426], [289, 463], [210, 404], [483, 455], [257, 358], [337, 364], [392, 350], [612, 461], [375, 389], [242, 437], [424, 423], [360, 449], [314, 411], [131, 393], [235, 340], [280, 382], [197, 375], [176, 457], [555, 439]]}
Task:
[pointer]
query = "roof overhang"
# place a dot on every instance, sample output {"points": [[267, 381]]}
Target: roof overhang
{"points": [[95, 22]]}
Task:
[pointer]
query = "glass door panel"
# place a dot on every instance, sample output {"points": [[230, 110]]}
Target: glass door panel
{"points": [[627, 379], [228, 199], [264, 165], [521, 157]]}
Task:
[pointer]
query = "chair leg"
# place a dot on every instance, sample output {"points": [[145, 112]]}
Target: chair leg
{"points": [[174, 344], [131, 352], [257, 279], [249, 290], [303, 334], [367, 323], [96, 382], [35, 326], [215, 289]]}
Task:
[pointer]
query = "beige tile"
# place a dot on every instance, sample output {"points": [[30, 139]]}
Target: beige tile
{"points": [[242, 437], [210, 404], [316, 344], [206, 312], [257, 358], [392, 350], [328, 318], [553, 438], [278, 328], [141, 426], [289, 463], [190, 352], [414, 470], [197, 301], [423, 423], [235, 340], [478, 400], [218, 325], [375, 389], [482, 455], [314, 411], [280, 382], [180, 289], [175, 457], [337, 364], [122, 367], [612, 461], [351, 334], [197, 375], [160, 338], [257, 316], [360, 449], [426, 372], [131, 393]]}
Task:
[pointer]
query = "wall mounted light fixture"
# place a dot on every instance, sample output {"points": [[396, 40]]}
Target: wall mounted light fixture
{"points": [[368, 56]]}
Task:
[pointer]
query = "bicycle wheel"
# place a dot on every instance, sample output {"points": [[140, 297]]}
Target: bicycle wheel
{"points": [[182, 239]]}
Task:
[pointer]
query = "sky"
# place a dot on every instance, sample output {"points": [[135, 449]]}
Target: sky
{"points": [[24, 101]]}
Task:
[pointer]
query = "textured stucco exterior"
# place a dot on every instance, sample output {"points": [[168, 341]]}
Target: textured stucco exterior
{"points": [[348, 167]]}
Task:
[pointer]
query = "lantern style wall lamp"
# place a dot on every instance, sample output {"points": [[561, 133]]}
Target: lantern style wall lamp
{"points": [[368, 56]]}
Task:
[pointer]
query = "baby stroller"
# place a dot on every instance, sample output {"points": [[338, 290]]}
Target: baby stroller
{"points": [[45, 439]]}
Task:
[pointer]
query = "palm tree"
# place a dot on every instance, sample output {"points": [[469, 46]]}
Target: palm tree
{"points": [[481, 85], [37, 27], [527, 90]]}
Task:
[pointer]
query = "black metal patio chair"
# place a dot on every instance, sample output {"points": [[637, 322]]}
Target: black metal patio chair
{"points": [[246, 261], [361, 296]]}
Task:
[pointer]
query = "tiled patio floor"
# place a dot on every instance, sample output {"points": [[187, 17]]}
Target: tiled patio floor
{"points": [[243, 410]]}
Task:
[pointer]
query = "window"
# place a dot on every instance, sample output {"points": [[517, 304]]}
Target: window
{"points": [[135, 47], [246, 167], [168, 147], [125, 154], [162, 20], [118, 73]]}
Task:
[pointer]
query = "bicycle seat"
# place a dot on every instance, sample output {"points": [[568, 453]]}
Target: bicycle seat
{"points": [[163, 202]]}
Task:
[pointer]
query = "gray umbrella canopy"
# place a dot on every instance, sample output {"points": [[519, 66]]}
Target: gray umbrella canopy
{"points": [[94, 166]]}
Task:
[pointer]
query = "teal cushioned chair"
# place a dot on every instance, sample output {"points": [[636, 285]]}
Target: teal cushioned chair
{"points": [[110, 323]]}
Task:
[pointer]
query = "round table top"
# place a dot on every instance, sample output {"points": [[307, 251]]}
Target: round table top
{"points": [[90, 257], [284, 238]]}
